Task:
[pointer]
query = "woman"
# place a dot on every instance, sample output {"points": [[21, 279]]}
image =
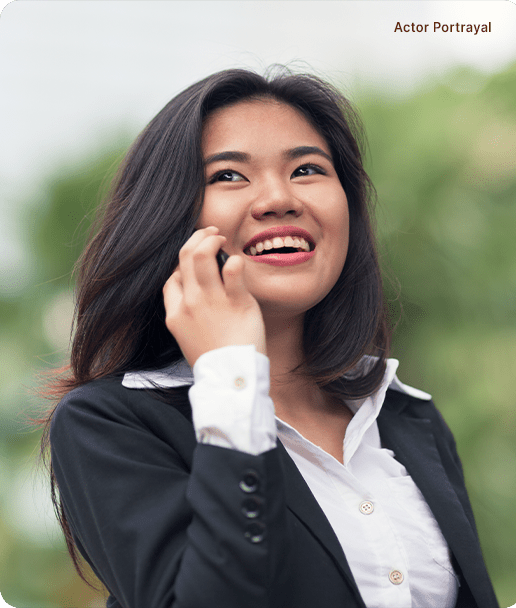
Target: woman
{"points": [[177, 483]]}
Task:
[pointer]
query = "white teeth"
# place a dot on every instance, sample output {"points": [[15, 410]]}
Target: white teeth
{"points": [[278, 242]]}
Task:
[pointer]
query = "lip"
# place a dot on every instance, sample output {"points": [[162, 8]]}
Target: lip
{"points": [[270, 233], [283, 259]]}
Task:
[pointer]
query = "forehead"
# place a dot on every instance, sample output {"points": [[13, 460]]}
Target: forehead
{"points": [[259, 125]]}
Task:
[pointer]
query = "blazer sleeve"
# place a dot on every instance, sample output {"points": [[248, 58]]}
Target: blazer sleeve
{"points": [[162, 528]]}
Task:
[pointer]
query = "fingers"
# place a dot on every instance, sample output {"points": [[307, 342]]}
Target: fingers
{"points": [[204, 312], [197, 259], [173, 292], [197, 237], [205, 263], [197, 276], [233, 276]]}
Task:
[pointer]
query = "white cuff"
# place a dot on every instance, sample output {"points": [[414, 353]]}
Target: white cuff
{"points": [[230, 400]]}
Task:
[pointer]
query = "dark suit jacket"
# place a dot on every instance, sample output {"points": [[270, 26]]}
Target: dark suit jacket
{"points": [[169, 523]]}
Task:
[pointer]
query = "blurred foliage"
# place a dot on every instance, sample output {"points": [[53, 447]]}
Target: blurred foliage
{"points": [[443, 161], [444, 166]]}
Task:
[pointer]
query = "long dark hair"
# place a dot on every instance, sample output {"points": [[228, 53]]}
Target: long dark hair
{"points": [[152, 210]]}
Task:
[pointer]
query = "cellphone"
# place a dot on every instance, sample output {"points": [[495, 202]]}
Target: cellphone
{"points": [[222, 256]]}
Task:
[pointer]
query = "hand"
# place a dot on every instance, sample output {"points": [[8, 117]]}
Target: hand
{"points": [[205, 312]]}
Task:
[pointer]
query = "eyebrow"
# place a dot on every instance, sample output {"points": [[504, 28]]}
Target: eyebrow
{"points": [[305, 151], [243, 157]]}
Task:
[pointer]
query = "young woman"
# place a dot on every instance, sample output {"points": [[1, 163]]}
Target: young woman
{"points": [[238, 438]]}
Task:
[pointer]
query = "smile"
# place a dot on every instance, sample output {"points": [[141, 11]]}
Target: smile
{"points": [[279, 245], [283, 259]]}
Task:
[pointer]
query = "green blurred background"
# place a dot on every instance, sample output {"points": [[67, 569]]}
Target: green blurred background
{"points": [[442, 156]]}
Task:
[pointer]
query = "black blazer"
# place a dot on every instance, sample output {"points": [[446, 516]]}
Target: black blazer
{"points": [[168, 523]]}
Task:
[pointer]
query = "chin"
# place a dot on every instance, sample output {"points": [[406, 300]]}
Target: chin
{"points": [[280, 308]]}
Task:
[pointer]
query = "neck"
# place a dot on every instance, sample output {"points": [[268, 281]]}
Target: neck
{"points": [[293, 395]]}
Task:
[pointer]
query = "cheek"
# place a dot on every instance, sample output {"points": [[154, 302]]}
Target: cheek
{"points": [[344, 218], [215, 212], [339, 221], [210, 214], [337, 217]]}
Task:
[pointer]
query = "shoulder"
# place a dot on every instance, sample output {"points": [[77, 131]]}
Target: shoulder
{"points": [[409, 406], [409, 402], [105, 397], [105, 406], [412, 403], [91, 392]]}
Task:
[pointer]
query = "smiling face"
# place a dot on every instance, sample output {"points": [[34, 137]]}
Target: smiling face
{"points": [[270, 182]]}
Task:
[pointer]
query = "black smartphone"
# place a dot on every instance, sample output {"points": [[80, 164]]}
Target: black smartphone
{"points": [[222, 256]]}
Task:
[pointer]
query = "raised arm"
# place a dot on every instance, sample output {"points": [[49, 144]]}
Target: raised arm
{"points": [[164, 521]]}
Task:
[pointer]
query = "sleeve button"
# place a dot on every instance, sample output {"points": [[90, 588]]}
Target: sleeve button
{"points": [[249, 482], [255, 532], [239, 383], [251, 507]]}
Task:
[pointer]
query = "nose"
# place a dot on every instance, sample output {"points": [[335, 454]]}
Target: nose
{"points": [[275, 199]]}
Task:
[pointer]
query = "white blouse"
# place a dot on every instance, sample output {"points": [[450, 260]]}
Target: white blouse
{"points": [[394, 547]]}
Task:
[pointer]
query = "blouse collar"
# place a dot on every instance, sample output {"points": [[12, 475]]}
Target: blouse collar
{"points": [[180, 374]]}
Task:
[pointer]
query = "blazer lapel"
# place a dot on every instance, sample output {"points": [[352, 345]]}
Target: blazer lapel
{"points": [[302, 503], [414, 445]]}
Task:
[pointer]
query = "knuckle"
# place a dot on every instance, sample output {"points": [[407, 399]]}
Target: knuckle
{"points": [[191, 303], [204, 251], [184, 252], [200, 255], [172, 321], [171, 279], [172, 285]]}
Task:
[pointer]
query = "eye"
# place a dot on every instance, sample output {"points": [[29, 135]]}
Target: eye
{"points": [[308, 169], [226, 175]]}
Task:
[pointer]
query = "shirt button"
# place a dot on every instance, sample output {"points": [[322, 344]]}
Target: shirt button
{"points": [[239, 383], [249, 482], [366, 507], [396, 577]]}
